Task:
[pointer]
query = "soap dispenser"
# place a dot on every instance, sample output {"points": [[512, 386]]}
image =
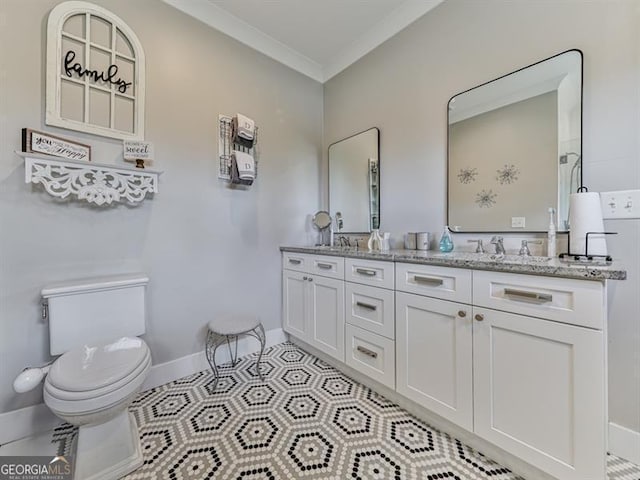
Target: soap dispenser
{"points": [[446, 242]]}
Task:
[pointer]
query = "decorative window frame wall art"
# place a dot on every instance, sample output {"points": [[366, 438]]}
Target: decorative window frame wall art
{"points": [[95, 72]]}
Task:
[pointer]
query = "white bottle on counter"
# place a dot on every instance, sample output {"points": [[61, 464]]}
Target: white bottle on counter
{"points": [[551, 234]]}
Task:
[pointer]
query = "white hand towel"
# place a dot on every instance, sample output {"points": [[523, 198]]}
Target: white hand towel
{"points": [[246, 126], [246, 165]]}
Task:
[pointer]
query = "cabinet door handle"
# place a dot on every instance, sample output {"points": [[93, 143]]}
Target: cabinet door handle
{"points": [[305, 278], [366, 351], [462, 313], [428, 280], [366, 305], [479, 317], [325, 266], [528, 296], [310, 279], [366, 271], [295, 261]]}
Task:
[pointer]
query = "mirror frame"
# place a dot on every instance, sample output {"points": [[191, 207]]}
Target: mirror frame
{"points": [[581, 142], [379, 180]]}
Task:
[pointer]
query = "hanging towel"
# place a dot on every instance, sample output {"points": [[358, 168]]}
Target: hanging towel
{"points": [[246, 126], [246, 165]]}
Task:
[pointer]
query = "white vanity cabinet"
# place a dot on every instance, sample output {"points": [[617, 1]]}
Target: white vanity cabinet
{"points": [[434, 340], [517, 359], [539, 383], [313, 301]]}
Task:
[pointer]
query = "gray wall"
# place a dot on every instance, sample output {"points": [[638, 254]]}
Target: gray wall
{"points": [[202, 244], [403, 87]]}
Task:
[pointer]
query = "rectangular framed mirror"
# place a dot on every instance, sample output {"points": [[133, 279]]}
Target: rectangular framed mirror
{"points": [[515, 148], [354, 182]]}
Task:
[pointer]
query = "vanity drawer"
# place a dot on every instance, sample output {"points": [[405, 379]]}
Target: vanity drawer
{"points": [[372, 355], [577, 302], [295, 261], [324, 265], [447, 283], [371, 308], [370, 272]]}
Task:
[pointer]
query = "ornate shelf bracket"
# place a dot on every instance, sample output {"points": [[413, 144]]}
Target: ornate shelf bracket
{"points": [[93, 182]]}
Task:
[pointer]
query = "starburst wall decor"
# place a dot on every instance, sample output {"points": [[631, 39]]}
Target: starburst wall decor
{"points": [[467, 175], [486, 198], [507, 175]]}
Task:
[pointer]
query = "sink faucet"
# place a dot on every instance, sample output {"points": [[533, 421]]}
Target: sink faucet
{"points": [[480, 246], [344, 241], [524, 248], [498, 242]]}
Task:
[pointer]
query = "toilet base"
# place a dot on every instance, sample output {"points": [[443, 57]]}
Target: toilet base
{"points": [[109, 450]]}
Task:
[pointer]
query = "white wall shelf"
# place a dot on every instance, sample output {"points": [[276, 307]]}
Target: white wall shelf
{"points": [[97, 183]]}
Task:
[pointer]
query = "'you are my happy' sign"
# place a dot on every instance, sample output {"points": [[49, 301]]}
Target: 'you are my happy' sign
{"points": [[95, 72]]}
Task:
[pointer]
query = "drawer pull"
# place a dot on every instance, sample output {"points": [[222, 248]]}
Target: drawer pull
{"points": [[479, 317], [325, 266], [295, 261], [528, 296], [366, 305], [305, 278], [367, 352], [428, 280], [462, 313], [366, 271]]}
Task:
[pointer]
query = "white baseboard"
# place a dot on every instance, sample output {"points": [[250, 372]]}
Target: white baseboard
{"points": [[624, 443], [29, 421], [26, 422]]}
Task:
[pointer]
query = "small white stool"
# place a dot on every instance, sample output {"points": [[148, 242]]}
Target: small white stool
{"points": [[227, 327]]}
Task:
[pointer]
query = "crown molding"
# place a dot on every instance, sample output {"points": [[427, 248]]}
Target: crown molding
{"points": [[400, 18], [221, 20], [238, 29]]}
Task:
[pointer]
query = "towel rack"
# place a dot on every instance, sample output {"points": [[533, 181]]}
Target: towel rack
{"points": [[226, 146]]}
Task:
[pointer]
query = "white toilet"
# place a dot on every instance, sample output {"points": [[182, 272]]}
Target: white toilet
{"points": [[93, 325]]}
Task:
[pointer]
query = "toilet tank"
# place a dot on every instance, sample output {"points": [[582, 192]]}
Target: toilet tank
{"points": [[94, 310]]}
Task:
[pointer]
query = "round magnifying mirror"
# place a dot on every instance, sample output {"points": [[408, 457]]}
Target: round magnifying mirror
{"points": [[322, 220]]}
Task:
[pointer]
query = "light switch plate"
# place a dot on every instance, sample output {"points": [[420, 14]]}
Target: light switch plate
{"points": [[517, 222], [620, 204]]}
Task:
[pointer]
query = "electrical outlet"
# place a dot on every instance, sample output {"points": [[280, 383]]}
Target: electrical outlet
{"points": [[517, 222], [620, 204]]}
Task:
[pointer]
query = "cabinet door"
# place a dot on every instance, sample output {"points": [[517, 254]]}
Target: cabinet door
{"points": [[294, 308], [539, 392], [434, 357], [326, 311]]}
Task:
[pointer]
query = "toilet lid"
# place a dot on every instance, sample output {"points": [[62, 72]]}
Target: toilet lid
{"points": [[96, 366]]}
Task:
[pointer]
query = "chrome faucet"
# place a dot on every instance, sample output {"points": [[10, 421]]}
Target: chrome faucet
{"points": [[344, 241], [524, 248], [480, 247], [498, 241]]}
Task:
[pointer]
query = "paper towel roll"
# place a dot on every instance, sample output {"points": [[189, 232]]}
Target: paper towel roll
{"points": [[585, 215]]}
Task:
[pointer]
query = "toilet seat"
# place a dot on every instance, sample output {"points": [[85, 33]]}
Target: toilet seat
{"points": [[95, 377]]}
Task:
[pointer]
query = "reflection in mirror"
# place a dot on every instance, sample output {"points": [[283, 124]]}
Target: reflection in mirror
{"points": [[354, 182], [515, 148]]}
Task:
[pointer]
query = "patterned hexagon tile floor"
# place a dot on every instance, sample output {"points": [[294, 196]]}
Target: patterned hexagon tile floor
{"points": [[307, 421]]}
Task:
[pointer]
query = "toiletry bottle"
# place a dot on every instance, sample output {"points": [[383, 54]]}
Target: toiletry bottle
{"points": [[551, 234], [446, 242], [375, 240]]}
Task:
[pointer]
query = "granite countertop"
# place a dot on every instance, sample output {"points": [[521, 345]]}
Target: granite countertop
{"points": [[552, 267]]}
